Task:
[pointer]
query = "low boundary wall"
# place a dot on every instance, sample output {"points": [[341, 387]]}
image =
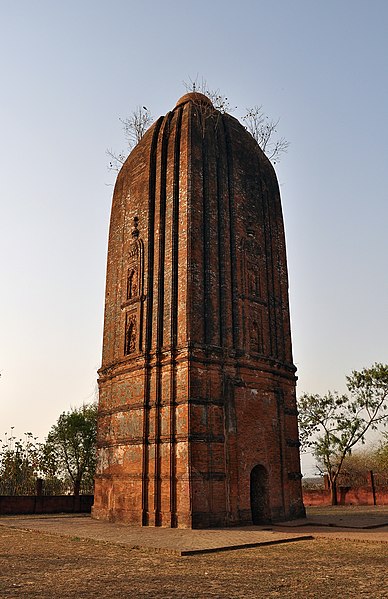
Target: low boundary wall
{"points": [[345, 496], [44, 504]]}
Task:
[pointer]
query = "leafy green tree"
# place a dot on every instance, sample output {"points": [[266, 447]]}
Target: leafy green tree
{"points": [[70, 448], [332, 425]]}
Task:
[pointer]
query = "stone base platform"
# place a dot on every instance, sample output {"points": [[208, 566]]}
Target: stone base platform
{"points": [[160, 540]]}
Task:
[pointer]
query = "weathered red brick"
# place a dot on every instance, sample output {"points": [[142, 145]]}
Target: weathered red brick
{"points": [[197, 420]]}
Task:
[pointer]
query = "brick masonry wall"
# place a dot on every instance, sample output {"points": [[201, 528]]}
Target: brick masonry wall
{"points": [[197, 384], [346, 496], [45, 504]]}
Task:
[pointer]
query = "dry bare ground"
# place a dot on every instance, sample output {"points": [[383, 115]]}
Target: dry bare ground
{"points": [[39, 565]]}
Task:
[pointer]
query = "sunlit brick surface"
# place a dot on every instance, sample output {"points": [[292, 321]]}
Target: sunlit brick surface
{"points": [[197, 422]]}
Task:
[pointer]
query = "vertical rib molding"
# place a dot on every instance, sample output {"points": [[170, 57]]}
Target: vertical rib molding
{"points": [[160, 314], [151, 234], [224, 242], [149, 306], [273, 296], [282, 280], [175, 231], [206, 242], [162, 233], [232, 235], [221, 260], [280, 414], [268, 263], [174, 319]]}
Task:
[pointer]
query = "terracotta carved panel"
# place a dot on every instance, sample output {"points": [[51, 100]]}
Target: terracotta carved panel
{"points": [[130, 343]]}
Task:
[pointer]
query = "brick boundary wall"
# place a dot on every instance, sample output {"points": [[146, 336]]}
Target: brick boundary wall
{"points": [[55, 504], [346, 496], [45, 504]]}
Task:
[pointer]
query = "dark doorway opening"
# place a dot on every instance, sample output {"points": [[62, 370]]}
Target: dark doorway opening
{"points": [[260, 495]]}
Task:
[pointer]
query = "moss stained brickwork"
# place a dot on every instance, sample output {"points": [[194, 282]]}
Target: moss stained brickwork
{"points": [[197, 414]]}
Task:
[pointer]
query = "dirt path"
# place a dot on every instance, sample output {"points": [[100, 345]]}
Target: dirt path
{"points": [[37, 565]]}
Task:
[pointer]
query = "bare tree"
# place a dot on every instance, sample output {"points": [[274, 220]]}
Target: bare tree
{"points": [[261, 127], [134, 128], [264, 130], [218, 99], [136, 125]]}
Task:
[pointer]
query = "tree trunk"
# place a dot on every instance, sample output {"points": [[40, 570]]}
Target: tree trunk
{"points": [[333, 492], [77, 485]]}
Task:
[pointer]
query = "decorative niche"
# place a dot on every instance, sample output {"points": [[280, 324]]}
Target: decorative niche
{"points": [[133, 293]]}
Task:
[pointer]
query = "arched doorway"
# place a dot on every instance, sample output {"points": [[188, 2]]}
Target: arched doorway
{"points": [[259, 495]]}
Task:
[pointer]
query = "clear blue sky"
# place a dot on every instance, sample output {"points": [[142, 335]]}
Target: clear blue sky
{"points": [[70, 69]]}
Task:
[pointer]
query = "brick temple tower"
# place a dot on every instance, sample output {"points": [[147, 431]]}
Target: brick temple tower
{"points": [[197, 415]]}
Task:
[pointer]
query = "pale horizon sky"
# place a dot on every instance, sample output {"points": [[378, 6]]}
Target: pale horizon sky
{"points": [[70, 70]]}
